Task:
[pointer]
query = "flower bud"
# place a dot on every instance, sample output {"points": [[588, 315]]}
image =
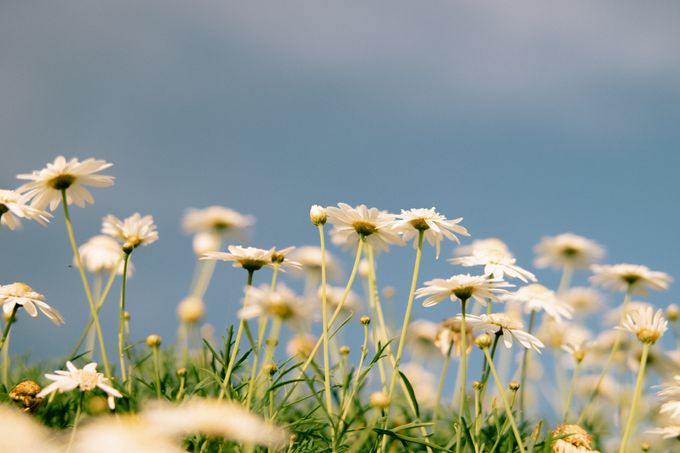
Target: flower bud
{"points": [[476, 385], [344, 350], [153, 341], [182, 372], [513, 385], [364, 268], [271, 369], [483, 341], [379, 400], [365, 320], [672, 312], [191, 310], [317, 215]]}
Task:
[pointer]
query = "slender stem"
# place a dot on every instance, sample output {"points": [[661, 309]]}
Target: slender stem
{"points": [[324, 314], [355, 382], [86, 285], [4, 344], [237, 342], [336, 313], [610, 359], [565, 281], [8, 325], [407, 315], [525, 363], [6, 360], [254, 376], [121, 318], [440, 385], [463, 370], [275, 274], [378, 337], [157, 370], [79, 410], [570, 397], [636, 397], [508, 408], [180, 392]]}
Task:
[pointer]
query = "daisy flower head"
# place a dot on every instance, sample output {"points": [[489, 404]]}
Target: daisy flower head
{"points": [[462, 287], [508, 328], [449, 334], [85, 379], [318, 215], [334, 297], [537, 297], [482, 245], [281, 303], [206, 242], [351, 225], [46, 185], [13, 206], [421, 335], [635, 278], [497, 263], [578, 349], [248, 258], [646, 324], [132, 232], [567, 250], [21, 295], [102, 254], [582, 299], [309, 258], [556, 334], [433, 225], [280, 258], [216, 219]]}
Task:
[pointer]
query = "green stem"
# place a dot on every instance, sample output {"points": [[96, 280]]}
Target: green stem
{"points": [[636, 397], [506, 405], [565, 281], [407, 315], [121, 319], [8, 325], [463, 367], [324, 314], [79, 411], [254, 376], [4, 345], [525, 363], [570, 397], [440, 385], [237, 343], [86, 285], [275, 275], [157, 371], [355, 384]]}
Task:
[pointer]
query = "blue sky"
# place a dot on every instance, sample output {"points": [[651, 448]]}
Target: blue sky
{"points": [[527, 118]]}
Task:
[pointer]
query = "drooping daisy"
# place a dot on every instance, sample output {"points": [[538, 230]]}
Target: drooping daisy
{"points": [[646, 324], [72, 176], [463, 287], [102, 254], [133, 231], [449, 334], [309, 258], [567, 250], [20, 294], [216, 219], [635, 278], [281, 303], [85, 379], [572, 439], [582, 300], [498, 323], [13, 207], [350, 225], [249, 258], [281, 258], [497, 263], [434, 226], [537, 297]]}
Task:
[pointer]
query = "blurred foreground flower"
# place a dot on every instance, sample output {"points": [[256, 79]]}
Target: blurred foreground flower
{"points": [[20, 433], [567, 250], [635, 278]]}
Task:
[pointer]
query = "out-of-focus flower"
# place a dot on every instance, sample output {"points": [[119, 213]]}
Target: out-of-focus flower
{"points": [[85, 379], [13, 206], [635, 278], [489, 245], [582, 300], [72, 176], [24, 296], [463, 287], [434, 226], [20, 433], [537, 297], [567, 250], [614, 316], [424, 383], [509, 329], [249, 258], [421, 335], [191, 310], [572, 439], [334, 297], [206, 242], [578, 350], [301, 345], [498, 263], [26, 393], [278, 303], [133, 231], [350, 225], [102, 254], [646, 324], [309, 258], [216, 219], [449, 335], [556, 334]]}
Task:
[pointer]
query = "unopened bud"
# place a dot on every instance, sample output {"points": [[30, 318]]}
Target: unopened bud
{"points": [[389, 292], [344, 350], [477, 385], [672, 312], [191, 310], [379, 400], [182, 372], [153, 341], [271, 369], [317, 215], [365, 320], [126, 315], [513, 385], [364, 268], [483, 341]]}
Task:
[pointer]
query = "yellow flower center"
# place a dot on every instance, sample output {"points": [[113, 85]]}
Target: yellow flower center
{"points": [[364, 228], [648, 335], [87, 379], [631, 279], [464, 293], [420, 224], [251, 264], [3, 209], [61, 182]]}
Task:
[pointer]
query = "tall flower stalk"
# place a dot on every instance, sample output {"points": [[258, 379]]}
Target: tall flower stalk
{"points": [[318, 218]]}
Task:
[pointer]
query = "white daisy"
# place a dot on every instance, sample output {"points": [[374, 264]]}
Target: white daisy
{"points": [[86, 379], [646, 324], [46, 184], [668, 432], [497, 263], [578, 349], [281, 258], [434, 226], [280, 303], [350, 225], [133, 231], [449, 335], [216, 219], [556, 334], [463, 287], [334, 297], [537, 297], [22, 433], [20, 294], [498, 323], [483, 245], [13, 206], [629, 277], [582, 300], [102, 254], [567, 249], [421, 335], [249, 258], [309, 258]]}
